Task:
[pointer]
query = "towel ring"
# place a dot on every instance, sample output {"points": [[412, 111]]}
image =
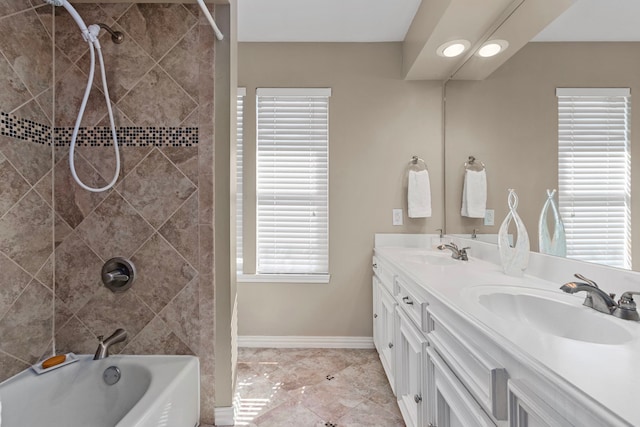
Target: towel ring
{"points": [[417, 164], [473, 165]]}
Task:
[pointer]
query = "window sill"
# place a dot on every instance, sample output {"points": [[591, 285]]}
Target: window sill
{"points": [[283, 278]]}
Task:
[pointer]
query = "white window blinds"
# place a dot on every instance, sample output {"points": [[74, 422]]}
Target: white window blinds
{"points": [[292, 181], [239, 178], [594, 174]]}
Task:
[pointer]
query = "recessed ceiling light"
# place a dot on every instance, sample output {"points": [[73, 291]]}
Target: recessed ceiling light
{"points": [[453, 48], [492, 48]]}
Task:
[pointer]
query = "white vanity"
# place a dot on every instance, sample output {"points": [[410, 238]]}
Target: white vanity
{"points": [[465, 345]]}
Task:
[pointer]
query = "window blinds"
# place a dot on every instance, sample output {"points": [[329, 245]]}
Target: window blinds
{"points": [[594, 174], [292, 181], [239, 178]]}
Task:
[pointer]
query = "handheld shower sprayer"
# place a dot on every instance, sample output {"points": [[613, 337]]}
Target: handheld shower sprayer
{"points": [[90, 35]]}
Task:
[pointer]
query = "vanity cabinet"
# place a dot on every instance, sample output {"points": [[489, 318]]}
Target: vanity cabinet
{"points": [[448, 371], [384, 307], [409, 363]]}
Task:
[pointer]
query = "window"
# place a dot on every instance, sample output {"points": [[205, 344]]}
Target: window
{"points": [[292, 181], [594, 174], [239, 174]]}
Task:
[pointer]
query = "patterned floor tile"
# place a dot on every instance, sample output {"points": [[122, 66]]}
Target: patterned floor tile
{"points": [[314, 387]]}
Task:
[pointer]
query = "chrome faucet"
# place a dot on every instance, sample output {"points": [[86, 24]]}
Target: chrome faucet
{"points": [[596, 298], [456, 253], [103, 347]]}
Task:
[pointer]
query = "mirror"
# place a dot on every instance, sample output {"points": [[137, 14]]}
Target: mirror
{"points": [[509, 121]]}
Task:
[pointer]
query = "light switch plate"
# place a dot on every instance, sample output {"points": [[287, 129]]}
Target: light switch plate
{"points": [[489, 215], [397, 217]]}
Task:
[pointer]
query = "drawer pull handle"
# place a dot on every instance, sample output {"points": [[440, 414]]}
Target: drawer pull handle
{"points": [[375, 316], [375, 265], [417, 398], [407, 300], [390, 345]]}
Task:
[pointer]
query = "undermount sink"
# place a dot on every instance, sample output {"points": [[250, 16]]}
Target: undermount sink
{"points": [[432, 259], [551, 312]]}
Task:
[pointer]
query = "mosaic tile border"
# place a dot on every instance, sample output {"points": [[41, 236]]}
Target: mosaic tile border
{"points": [[24, 129], [130, 136], [98, 136]]}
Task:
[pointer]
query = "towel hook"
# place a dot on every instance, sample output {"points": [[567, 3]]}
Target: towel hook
{"points": [[472, 165], [418, 164]]}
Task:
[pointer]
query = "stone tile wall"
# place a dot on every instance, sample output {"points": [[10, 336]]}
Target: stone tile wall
{"points": [[26, 200], [55, 237]]}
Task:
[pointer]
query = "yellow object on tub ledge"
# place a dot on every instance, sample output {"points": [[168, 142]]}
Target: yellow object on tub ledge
{"points": [[54, 362]]}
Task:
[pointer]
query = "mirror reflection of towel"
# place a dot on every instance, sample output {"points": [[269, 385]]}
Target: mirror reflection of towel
{"points": [[474, 194], [419, 194]]}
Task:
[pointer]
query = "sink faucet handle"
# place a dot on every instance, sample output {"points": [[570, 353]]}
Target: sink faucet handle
{"points": [[627, 307], [627, 297], [588, 281]]}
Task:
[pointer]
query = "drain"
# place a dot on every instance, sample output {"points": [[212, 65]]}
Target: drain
{"points": [[330, 424], [329, 377], [111, 375]]}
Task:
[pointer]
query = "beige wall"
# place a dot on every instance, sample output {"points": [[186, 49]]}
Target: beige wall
{"points": [[509, 121], [377, 122]]}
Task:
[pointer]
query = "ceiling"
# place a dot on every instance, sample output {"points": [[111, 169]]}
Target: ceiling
{"points": [[389, 20], [596, 20], [324, 20]]}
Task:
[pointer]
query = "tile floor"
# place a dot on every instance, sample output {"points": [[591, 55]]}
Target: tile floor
{"points": [[314, 387]]}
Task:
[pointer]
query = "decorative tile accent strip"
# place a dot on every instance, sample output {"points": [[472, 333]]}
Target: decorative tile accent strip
{"points": [[26, 130], [130, 136], [97, 136]]}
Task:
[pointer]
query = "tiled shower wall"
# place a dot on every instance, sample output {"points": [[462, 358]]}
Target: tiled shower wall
{"points": [[160, 212]]}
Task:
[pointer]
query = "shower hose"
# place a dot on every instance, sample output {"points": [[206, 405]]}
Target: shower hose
{"points": [[90, 35]]}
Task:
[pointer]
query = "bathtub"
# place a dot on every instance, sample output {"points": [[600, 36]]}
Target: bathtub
{"points": [[153, 391]]}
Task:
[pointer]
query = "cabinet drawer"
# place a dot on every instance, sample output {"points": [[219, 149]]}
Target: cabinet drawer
{"points": [[451, 403], [477, 370], [527, 409], [384, 275], [412, 303]]}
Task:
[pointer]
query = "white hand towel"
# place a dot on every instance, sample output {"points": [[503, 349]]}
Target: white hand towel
{"points": [[474, 194], [419, 194]]}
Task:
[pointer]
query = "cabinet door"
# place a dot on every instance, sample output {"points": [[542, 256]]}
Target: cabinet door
{"points": [[377, 308], [409, 379], [450, 404], [526, 409], [386, 334]]}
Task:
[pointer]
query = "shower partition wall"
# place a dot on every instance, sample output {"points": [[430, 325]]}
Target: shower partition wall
{"points": [[55, 236]]}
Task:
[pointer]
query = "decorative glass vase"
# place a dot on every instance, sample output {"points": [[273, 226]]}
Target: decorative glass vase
{"points": [[514, 258], [556, 244]]}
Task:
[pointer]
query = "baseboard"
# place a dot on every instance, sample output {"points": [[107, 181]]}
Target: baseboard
{"points": [[258, 341], [225, 416]]}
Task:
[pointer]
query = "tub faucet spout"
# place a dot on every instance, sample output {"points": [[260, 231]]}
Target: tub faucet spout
{"points": [[103, 346]]}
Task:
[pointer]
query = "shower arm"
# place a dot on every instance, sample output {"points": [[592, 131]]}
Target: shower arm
{"points": [[216, 30], [116, 36]]}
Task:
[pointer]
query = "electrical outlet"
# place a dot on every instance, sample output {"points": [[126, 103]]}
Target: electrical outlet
{"points": [[489, 215], [397, 217]]}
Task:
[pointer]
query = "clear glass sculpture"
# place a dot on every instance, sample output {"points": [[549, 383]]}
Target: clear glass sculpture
{"points": [[555, 244], [514, 258]]}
